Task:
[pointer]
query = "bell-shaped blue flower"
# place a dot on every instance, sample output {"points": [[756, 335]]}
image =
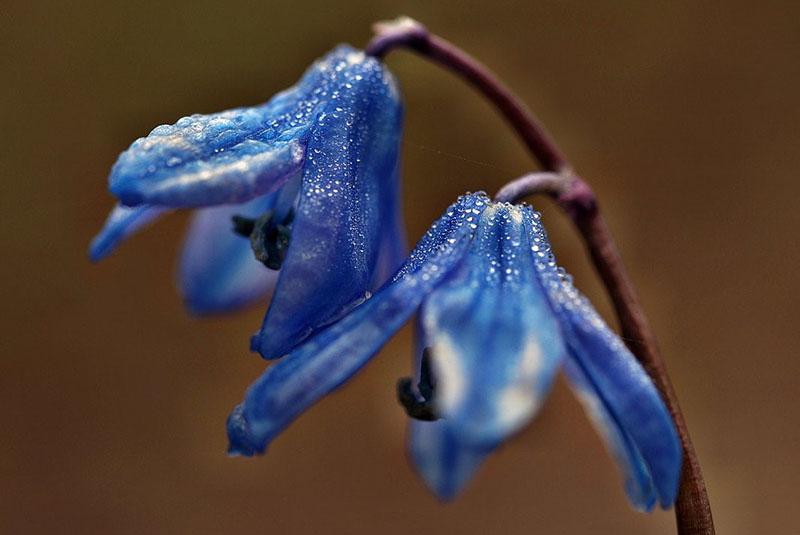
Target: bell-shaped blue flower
{"points": [[314, 172], [497, 319]]}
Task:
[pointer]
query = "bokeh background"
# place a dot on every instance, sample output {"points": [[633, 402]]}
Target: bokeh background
{"points": [[683, 115]]}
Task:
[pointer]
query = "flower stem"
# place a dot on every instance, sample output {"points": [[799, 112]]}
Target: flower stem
{"points": [[576, 198], [411, 34]]}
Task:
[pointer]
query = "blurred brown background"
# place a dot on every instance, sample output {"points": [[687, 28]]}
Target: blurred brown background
{"points": [[683, 115]]}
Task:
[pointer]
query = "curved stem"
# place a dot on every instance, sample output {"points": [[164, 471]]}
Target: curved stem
{"points": [[410, 34], [553, 184], [576, 198]]}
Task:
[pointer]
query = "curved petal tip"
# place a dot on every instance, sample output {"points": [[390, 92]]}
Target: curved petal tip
{"points": [[444, 463], [121, 223], [241, 443]]}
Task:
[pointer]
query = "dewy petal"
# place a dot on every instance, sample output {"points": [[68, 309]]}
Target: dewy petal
{"points": [[495, 342], [324, 362], [393, 245], [121, 223], [227, 157], [444, 232], [173, 167], [628, 397], [217, 271], [335, 237]]}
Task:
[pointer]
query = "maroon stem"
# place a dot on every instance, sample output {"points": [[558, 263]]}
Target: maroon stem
{"points": [[576, 198], [413, 35]]}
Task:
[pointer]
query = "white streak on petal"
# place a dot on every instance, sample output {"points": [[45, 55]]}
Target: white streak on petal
{"points": [[520, 400], [449, 373]]}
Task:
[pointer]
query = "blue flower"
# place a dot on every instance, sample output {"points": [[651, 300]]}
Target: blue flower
{"points": [[317, 166], [496, 320]]}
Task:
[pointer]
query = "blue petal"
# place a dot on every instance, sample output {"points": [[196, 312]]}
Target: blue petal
{"points": [[393, 245], [458, 219], [227, 157], [173, 166], [495, 342], [628, 397], [638, 483], [445, 463], [122, 222], [335, 236], [331, 357], [218, 272], [318, 367]]}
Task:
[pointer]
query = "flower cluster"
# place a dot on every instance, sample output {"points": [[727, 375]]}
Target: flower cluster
{"points": [[311, 179]]}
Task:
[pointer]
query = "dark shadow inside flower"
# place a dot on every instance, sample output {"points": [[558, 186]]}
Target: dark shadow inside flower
{"points": [[322, 157]]}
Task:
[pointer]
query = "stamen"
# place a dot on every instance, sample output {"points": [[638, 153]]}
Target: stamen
{"points": [[419, 403], [269, 238], [243, 226]]}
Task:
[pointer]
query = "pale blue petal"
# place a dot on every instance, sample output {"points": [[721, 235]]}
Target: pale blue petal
{"points": [[629, 398], [217, 271], [336, 233], [121, 223], [495, 343]]}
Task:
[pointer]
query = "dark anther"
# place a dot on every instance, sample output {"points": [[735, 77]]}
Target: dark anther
{"points": [[419, 403], [269, 238], [243, 226]]}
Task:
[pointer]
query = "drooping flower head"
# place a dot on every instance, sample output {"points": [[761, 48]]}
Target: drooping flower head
{"points": [[497, 320], [312, 176]]}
